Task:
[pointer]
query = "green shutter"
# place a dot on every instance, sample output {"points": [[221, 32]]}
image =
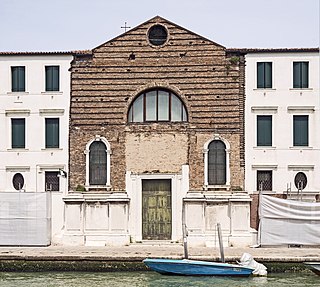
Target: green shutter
{"points": [[268, 75], [260, 75], [304, 75], [264, 75], [300, 75], [18, 133], [18, 79], [264, 130], [52, 133], [296, 75], [52, 78], [300, 130]]}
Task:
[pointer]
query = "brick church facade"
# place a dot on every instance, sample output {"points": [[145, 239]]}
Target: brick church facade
{"points": [[156, 133]]}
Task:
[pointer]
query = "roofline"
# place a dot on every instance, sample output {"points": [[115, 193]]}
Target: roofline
{"points": [[80, 52], [154, 18], [271, 50]]}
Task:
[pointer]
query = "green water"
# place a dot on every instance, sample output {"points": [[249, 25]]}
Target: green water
{"points": [[152, 279]]}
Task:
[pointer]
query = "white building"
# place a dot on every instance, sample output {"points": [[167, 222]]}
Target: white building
{"points": [[282, 120], [34, 123]]}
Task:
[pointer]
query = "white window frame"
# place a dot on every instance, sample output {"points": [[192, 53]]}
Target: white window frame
{"points": [[87, 152], [205, 152]]}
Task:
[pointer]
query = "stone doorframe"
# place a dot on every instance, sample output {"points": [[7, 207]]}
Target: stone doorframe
{"points": [[179, 189]]}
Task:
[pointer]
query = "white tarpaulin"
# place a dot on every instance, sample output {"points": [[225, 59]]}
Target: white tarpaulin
{"points": [[284, 222], [25, 218]]}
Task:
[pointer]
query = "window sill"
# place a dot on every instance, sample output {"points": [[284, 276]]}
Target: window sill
{"points": [[216, 187], [300, 89], [17, 149], [264, 147], [301, 147], [51, 149], [51, 93], [18, 93], [264, 89]]}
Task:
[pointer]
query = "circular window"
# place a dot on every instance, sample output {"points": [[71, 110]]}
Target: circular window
{"points": [[157, 35], [18, 181], [300, 180]]}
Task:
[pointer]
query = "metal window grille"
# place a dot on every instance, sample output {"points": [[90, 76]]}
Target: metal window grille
{"points": [[264, 180], [52, 181]]}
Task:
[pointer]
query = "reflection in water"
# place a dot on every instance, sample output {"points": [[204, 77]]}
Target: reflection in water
{"points": [[149, 279]]}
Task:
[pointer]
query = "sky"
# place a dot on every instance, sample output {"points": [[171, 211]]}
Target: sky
{"points": [[66, 25]]}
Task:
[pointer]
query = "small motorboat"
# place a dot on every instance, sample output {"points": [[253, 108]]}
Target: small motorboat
{"points": [[314, 266], [196, 268]]}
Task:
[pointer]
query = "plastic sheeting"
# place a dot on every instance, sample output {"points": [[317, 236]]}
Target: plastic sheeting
{"points": [[25, 218], [288, 222]]}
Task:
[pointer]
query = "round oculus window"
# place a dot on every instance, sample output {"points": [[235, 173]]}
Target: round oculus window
{"points": [[157, 35], [300, 180], [18, 181]]}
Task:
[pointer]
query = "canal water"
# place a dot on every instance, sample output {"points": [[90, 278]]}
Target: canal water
{"points": [[150, 279]]}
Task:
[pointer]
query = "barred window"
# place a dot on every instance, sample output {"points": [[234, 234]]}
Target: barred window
{"points": [[98, 163], [264, 180], [217, 163]]}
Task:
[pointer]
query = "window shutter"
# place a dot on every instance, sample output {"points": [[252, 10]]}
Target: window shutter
{"points": [[18, 79], [18, 133], [304, 75], [296, 75], [52, 78], [268, 75], [300, 131], [264, 130], [260, 75], [52, 133]]}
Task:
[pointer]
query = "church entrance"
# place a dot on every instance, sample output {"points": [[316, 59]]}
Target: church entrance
{"points": [[156, 209]]}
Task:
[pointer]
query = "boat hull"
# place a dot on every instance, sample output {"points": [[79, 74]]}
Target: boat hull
{"points": [[314, 266], [196, 268]]}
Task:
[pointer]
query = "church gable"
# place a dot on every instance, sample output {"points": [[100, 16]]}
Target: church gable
{"points": [[154, 36]]}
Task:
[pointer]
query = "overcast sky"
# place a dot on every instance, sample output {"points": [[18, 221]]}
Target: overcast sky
{"points": [[64, 25]]}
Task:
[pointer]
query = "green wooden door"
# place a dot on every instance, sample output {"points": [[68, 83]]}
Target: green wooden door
{"points": [[156, 209]]}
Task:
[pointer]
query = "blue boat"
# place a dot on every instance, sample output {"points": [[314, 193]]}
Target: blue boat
{"points": [[196, 268]]}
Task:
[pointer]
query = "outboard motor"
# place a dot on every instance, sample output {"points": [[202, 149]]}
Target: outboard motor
{"points": [[248, 261]]}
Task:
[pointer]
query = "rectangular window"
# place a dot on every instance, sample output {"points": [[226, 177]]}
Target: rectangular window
{"points": [[300, 130], [18, 133], [264, 130], [18, 79], [301, 75], [52, 78], [52, 133], [264, 75], [264, 180], [52, 181]]}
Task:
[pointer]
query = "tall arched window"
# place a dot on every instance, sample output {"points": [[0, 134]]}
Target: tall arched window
{"points": [[157, 105], [98, 163], [217, 163]]}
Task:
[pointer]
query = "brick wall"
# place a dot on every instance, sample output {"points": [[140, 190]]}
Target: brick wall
{"points": [[196, 69]]}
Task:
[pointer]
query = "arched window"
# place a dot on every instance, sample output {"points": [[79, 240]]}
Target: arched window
{"points": [[157, 105], [98, 163], [217, 163]]}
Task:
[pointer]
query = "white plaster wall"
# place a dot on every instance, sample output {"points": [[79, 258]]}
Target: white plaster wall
{"points": [[282, 102], [35, 105]]}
